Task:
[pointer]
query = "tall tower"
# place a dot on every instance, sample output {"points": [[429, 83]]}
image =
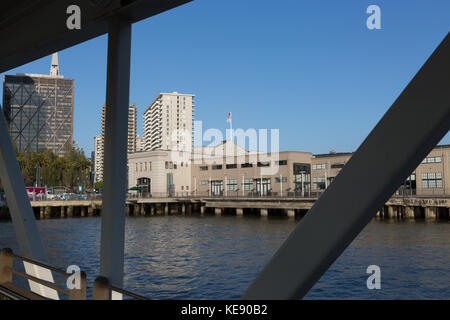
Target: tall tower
{"points": [[168, 122], [39, 110]]}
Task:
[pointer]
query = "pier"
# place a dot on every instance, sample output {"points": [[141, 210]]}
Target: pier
{"points": [[398, 208]]}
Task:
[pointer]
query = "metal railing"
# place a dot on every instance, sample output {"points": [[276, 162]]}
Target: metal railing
{"points": [[7, 271], [103, 290]]}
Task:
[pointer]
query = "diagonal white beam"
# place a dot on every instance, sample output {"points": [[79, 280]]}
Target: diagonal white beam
{"points": [[384, 160], [22, 216]]}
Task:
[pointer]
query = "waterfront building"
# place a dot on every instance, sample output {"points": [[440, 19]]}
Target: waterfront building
{"points": [[168, 122], [229, 170], [160, 172], [39, 110], [431, 177]]}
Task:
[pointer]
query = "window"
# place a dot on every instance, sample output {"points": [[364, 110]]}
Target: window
{"points": [[204, 168], [248, 184], [264, 164], [203, 183], [337, 165], [281, 163], [217, 167], [247, 165], [283, 179], [432, 160], [321, 166], [231, 185], [432, 180], [319, 183], [231, 166]]}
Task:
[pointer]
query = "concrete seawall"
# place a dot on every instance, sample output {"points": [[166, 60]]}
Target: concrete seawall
{"points": [[395, 208]]}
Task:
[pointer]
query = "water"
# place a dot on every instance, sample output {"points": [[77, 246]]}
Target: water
{"points": [[181, 257]]}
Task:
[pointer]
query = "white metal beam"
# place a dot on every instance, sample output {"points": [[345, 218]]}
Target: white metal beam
{"points": [[22, 216], [381, 164], [115, 156]]}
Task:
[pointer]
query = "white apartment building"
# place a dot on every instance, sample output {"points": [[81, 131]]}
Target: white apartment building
{"points": [[99, 140], [139, 143], [168, 122], [132, 128], [98, 159]]}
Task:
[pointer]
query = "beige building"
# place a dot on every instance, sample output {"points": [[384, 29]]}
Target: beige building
{"points": [[168, 122], [431, 177], [229, 170], [160, 173], [232, 171]]}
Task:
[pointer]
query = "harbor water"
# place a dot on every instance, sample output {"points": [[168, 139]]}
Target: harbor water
{"points": [[193, 257]]}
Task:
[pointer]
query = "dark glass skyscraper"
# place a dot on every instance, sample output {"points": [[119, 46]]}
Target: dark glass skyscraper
{"points": [[39, 110]]}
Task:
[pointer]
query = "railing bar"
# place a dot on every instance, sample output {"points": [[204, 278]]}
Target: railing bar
{"points": [[127, 293], [37, 280], [40, 264]]}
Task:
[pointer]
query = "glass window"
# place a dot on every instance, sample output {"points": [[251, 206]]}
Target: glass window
{"points": [[231, 185], [231, 166], [264, 164], [204, 168], [432, 180], [217, 167]]}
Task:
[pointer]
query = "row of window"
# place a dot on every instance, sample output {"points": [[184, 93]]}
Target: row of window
{"points": [[244, 165], [248, 184], [432, 160], [431, 180], [323, 166], [143, 166]]}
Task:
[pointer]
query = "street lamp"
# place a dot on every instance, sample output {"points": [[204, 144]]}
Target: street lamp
{"points": [[37, 175]]}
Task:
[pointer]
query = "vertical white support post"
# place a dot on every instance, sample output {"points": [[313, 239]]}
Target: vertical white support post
{"points": [[326, 179], [210, 186], [226, 186], [115, 163], [22, 216], [281, 185]]}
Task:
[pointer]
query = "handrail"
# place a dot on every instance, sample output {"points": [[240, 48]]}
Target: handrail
{"points": [[40, 264], [7, 271], [38, 280], [102, 290]]}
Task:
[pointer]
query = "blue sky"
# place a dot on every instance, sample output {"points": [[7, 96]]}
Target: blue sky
{"points": [[309, 68]]}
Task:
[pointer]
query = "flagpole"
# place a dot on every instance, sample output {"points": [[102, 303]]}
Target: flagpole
{"points": [[231, 126]]}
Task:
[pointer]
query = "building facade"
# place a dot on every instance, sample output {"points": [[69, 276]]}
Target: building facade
{"points": [[217, 171], [168, 122], [98, 159], [159, 173], [39, 110], [99, 141]]}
